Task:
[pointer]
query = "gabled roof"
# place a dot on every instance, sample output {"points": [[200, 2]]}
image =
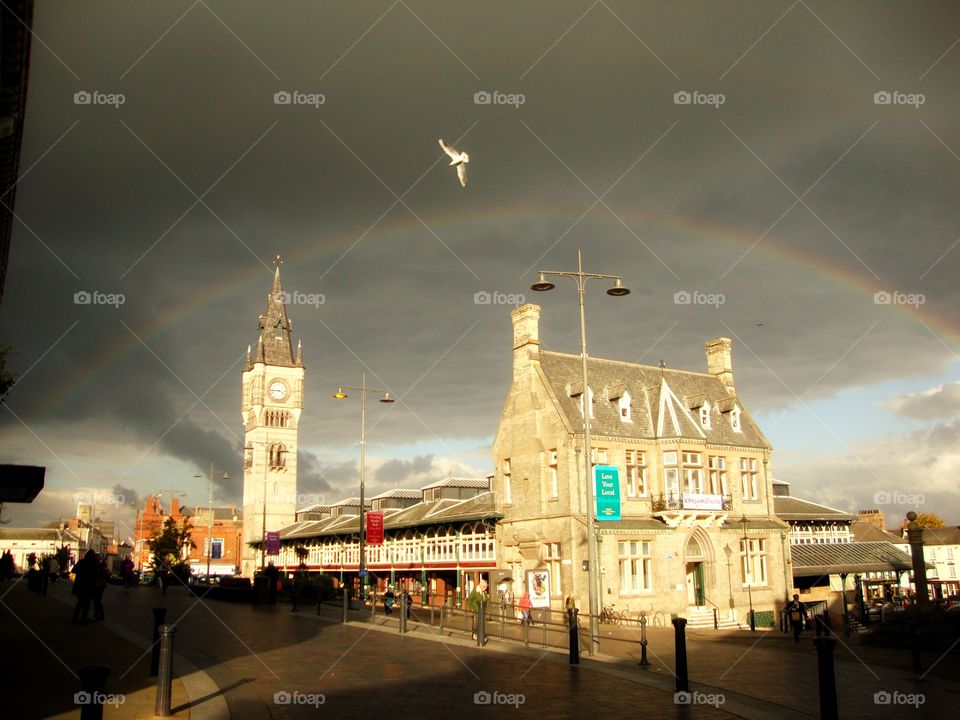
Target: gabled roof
{"points": [[787, 507], [459, 483], [658, 400], [398, 493], [37, 534], [855, 557]]}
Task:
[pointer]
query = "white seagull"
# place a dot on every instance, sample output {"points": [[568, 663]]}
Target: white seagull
{"points": [[460, 159]]}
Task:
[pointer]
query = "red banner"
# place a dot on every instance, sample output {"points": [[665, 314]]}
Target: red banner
{"points": [[374, 528]]}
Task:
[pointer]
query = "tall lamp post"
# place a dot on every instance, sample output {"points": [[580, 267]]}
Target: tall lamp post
{"points": [[341, 395], [748, 575], [618, 290], [197, 475]]}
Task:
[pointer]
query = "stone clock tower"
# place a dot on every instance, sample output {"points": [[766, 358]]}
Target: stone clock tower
{"points": [[271, 405]]}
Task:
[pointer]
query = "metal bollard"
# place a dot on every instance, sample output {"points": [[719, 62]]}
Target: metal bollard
{"points": [[93, 681], [680, 642], [346, 606], [643, 640], [574, 628], [319, 604], [442, 607], [403, 616], [914, 646], [827, 677], [165, 680], [159, 617], [526, 633]]}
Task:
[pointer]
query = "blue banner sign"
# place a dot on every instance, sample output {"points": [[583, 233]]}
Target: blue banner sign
{"points": [[607, 490]]}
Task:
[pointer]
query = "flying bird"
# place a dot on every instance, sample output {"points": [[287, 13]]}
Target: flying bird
{"points": [[460, 159]]}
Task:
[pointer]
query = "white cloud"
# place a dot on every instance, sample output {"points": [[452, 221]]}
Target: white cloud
{"points": [[942, 401]]}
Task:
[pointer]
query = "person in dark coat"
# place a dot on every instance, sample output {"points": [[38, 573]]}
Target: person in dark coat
{"points": [[84, 585], [797, 612], [388, 599], [100, 584]]}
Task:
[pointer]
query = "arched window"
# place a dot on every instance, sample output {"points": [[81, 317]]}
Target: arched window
{"points": [[278, 454]]}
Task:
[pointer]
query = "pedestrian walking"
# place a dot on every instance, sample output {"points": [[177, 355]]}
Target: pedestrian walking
{"points": [[525, 605], [797, 612], [84, 585], [126, 571]]}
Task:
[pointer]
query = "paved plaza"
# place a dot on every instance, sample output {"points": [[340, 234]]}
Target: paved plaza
{"points": [[243, 661]]}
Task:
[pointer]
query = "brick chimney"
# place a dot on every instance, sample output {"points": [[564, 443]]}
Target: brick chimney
{"points": [[874, 517], [719, 363], [526, 337]]}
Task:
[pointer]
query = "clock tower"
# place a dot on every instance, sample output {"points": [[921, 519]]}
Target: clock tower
{"points": [[271, 405]]}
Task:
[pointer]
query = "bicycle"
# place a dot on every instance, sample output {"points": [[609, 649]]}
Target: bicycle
{"points": [[609, 615]]}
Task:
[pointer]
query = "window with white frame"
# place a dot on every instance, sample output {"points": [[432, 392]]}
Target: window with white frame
{"points": [[553, 559], [626, 414], [717, 468], [693, 473], [214, 549], [552, 473], [507, 490], [748, 479], [671, 474], [636, 477], [753, 562], [735, 419], [705, 415], [635, 566], [599, 456]]}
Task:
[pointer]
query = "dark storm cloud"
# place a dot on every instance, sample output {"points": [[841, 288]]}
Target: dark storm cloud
{"points": [[396, 472], [315, 477], [400, 303]]}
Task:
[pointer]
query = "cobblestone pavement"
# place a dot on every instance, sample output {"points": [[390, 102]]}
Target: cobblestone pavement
{"points": [[269, 662]]}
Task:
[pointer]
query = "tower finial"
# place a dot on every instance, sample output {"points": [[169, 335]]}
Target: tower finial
{"points": [[277, 262]]}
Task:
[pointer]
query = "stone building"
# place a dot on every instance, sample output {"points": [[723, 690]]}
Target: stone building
{"points": [[697, 529]]}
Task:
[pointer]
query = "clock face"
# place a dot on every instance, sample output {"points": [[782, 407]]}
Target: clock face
{"points": [[278, 391]]}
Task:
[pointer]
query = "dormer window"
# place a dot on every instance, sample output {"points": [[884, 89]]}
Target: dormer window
{"points": [[735, 419], [625, 410], [705, 416], [577, 392]]}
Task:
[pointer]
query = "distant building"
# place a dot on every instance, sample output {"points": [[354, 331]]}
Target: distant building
{"points": [[217, 536], [42, 541], [697, 527]]}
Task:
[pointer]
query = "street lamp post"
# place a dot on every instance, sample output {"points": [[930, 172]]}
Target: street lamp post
{"points": [[618, 290], [341, 395], [748, 575], [728, 551], [196, 476]]}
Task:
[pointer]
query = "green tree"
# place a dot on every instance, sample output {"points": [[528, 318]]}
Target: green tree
{"points": [[170, 545], [929, 520]]}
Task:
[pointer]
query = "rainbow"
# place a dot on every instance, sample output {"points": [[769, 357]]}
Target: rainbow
{"points": [[254, 280]]}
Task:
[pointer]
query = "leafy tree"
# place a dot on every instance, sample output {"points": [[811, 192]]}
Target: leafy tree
{"points": [[929, 520], [170, 545]]}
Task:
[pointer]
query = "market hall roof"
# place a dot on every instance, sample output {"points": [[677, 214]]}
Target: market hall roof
{"points": [[850, 558]]}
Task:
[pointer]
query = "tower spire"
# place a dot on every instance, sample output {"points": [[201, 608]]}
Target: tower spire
{"points": [[275, 346]]}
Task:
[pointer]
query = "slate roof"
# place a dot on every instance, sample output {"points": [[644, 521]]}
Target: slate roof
{"points": [[659, 401], [440, 512], [219, 513], [865, 531], [855, 557], [941, 536], [273, 350], [792, 508], [37, 534], [398, 493], [459, 483]]}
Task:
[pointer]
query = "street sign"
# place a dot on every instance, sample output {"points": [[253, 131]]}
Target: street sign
{"points": [[607, 490], [374, 527]]}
